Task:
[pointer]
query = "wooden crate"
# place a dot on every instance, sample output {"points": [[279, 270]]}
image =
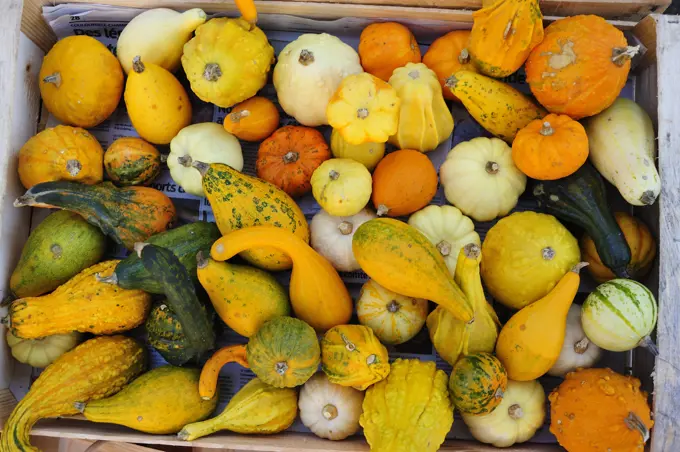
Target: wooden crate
{"points": [[26, 37]]}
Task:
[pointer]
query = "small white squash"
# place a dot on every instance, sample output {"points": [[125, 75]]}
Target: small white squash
{"points": [[577, 351], [206, 142], [41, 352], [309, 71], [480, 178], [448, 230], [331, 237], [329, 410], [515, 420], [623, 149]]}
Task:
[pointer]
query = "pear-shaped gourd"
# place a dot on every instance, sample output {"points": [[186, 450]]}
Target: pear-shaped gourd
{"points": [[531, 341]]}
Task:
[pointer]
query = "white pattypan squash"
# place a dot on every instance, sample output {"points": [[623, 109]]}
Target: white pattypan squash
{"points": [[309, 71], [331, 237], [206, 142], [41, 352], [480, 178], [577, 350]]}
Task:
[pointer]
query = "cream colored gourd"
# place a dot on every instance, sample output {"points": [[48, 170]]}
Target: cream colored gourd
{"points": [[331, 237], [205, 142], [158, 36], [342, 187], [577, 351], [448, 230], [480, 178], [368, 154], [623, 149], [41, 352], [329, 410], [424, 118], [309, 71]]}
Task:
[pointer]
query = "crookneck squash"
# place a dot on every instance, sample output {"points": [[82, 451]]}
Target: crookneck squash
{"points": [[239, 201], [127, 215], [477, 383], [581, 199], [318, 295], [95, 369]]}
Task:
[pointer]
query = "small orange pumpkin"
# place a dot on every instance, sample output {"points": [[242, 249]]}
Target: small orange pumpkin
{"points": [[447, 55], [403, 182], [642, 250], [253, 119], [383, 47], [550, 148], [580, 67], [132, 161], [289, 157], [61, 153]]}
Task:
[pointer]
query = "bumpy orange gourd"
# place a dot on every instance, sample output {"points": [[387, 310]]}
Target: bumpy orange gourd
{"points": [[580, 67], [289, 157], [403, 182], [383, 47], [642, 249], [253, 119], [447, 55], [550, 148], [132, 161], [61, 153], [596, 410]]}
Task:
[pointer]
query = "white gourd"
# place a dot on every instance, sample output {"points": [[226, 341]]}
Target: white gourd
{"points": [[331, 237], [41, 352], [577, 351]]}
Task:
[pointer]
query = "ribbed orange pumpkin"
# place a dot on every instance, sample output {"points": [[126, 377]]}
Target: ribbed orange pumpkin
{"points": [[580, 67], [253, 119], [550, 148], [403, 182], [447, 55], [383, 47], [132, 161]]}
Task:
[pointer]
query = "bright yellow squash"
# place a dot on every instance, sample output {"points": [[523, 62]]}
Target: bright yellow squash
{"points": [[318, 295], [531, 341], [401, 259]]}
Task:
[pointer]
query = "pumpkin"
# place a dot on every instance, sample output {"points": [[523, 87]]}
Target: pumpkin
{"points": [[288, 158], [394, 318], [577, 351], [368, 154], [132, 161], [364, 109], [580, 67], [447, 229], [80, 81], [447, 55], [550, 148], [351, 355], [524, 256], [61, 153], [253, 119], [330, 411], [227, 61], [342, 187], [309, 71], [331, 237], [477, 383], [386, 46], [503, 34], [403, 182], [480, 178], [520, 414], [599, 409], [424, 118], [41, 352]]}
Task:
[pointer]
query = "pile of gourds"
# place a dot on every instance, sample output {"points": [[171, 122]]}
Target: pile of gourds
{"points": [[175, 280]]}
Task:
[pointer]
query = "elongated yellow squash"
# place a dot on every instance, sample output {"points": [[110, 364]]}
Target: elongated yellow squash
{"points": [[318, 295], [400, 258], [496, 106]]}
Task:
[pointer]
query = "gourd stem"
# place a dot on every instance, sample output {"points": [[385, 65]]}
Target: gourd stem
{"points": [[578, 267], [306, 57], [345, 228], [451, 81], [444, 248], [137, 64], [362, 113], [582, 346], [348, 344], [56, 251], [648, 197], [73, 167], [138, 247], [472, 250], [329, 412], [54, 78], [546, 130], [281, 367], [185, 160], [80, 406], [499, 394], [463, 58], [204, 428], [634, 422], [24, 201], [515, 411], [291, 157], [371, 359], [492, 167], [238, 115], [382, 210], [164, 158], [393, 306], [548, 253], [649, 344], [201, 167], [334, 175], [212, 72], [201, 261], [622, 54], [415, 75], [111, 279]]}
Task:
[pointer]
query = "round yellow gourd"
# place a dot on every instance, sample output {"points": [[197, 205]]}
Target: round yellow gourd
{"points": [[525, 255], [368, 154], [342, 187]]}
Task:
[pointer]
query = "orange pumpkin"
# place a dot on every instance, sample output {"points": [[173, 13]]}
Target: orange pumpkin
{"points": [[132, 161], [61, 153], [448, 55], [550, 148], [642, 250], [288, 158], [580, 67], [253, 119], [403, 182], [383, 47]]}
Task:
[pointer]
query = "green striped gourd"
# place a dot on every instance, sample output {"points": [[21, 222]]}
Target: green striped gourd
{"points": [[477, 383]]}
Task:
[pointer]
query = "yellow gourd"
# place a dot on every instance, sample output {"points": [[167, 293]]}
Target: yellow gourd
{"points": [[531, 341], [368, 154], [342, 187], [156, 102]]}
